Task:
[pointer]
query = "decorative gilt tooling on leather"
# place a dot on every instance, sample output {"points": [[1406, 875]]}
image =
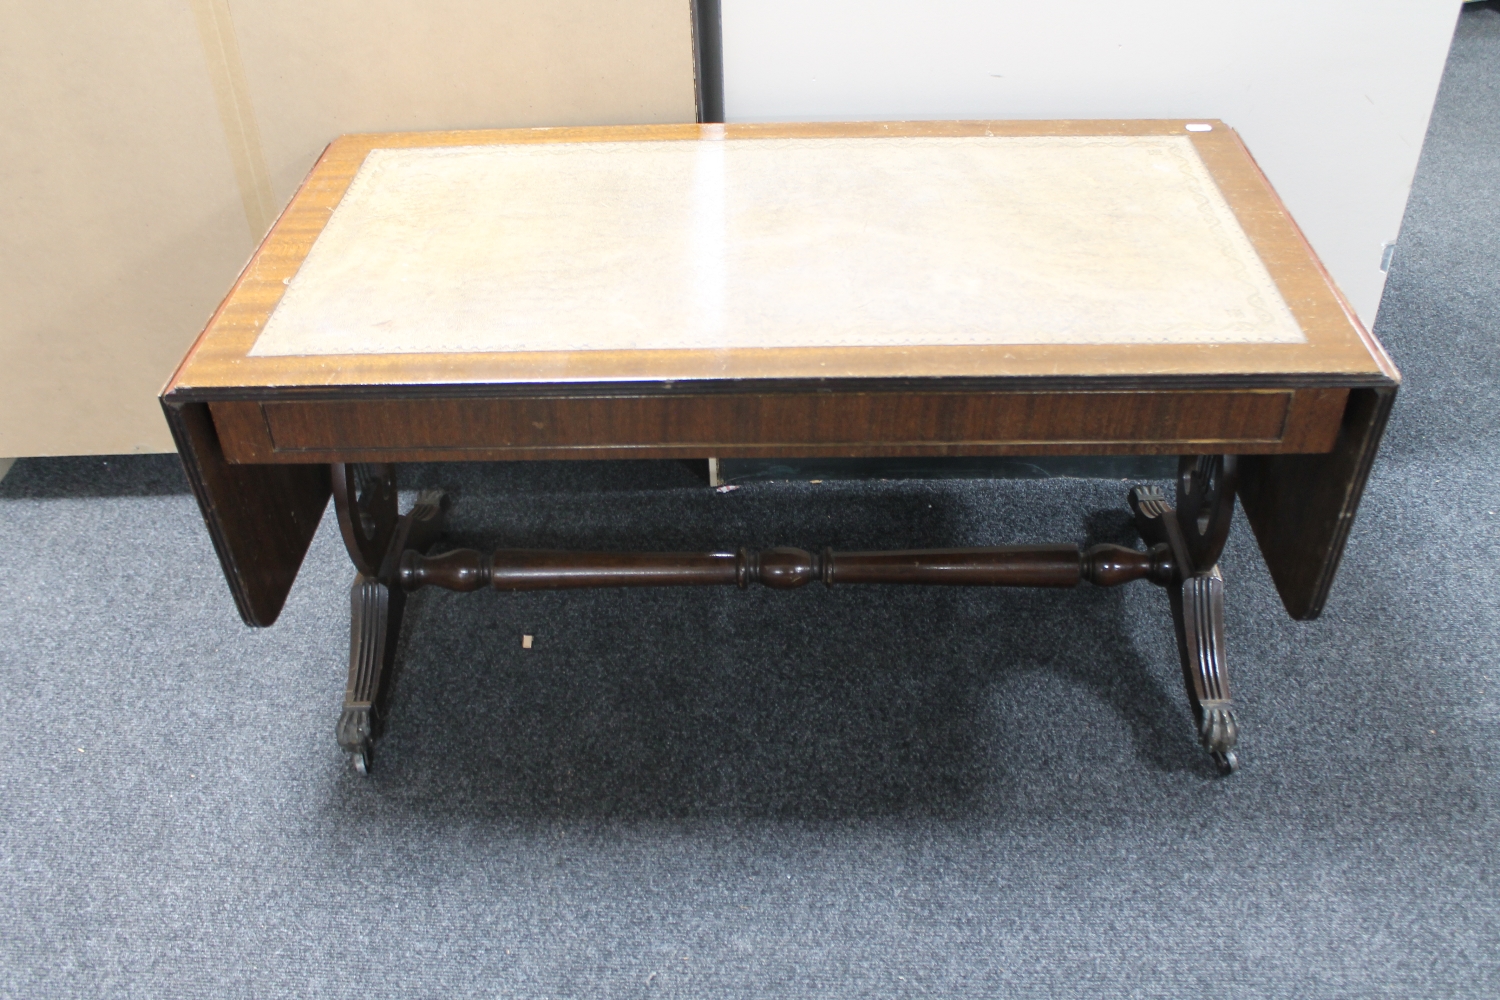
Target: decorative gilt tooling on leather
{"points": [[769, 243]]}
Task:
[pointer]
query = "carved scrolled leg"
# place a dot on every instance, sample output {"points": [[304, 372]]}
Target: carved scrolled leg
{"points": [[376, 603], [1198, 612], [374, 626], [1195, 533]]}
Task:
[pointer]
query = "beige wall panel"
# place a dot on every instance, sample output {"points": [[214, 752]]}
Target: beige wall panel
{"points": [[318, 70], [136, 138], [123, 222]]}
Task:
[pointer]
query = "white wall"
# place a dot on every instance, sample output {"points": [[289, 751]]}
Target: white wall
{"points": [[1332, 97]]}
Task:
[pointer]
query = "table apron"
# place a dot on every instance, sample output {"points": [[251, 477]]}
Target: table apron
{"points": [[780, 424]]}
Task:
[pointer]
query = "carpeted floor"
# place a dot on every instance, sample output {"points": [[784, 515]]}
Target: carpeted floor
{"points": [[820, 793]]}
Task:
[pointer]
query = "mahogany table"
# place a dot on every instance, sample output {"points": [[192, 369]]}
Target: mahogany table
{"points": [[758, 291]]}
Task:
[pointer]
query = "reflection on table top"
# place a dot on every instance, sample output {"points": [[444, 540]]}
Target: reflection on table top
{"points": [[745, 243], [885, 250]]}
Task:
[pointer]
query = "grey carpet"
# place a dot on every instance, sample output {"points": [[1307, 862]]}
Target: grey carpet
{"points": [[859, 792]]}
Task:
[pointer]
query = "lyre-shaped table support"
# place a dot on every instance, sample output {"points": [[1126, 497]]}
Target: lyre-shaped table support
{"points": [[388, 552], [365, 498], [1195, 533]]}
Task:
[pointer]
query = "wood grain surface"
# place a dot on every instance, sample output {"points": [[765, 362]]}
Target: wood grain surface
{"points": [[261, 518], [1302, 507], [1309, 415], [765, 425], [1338, 351]]}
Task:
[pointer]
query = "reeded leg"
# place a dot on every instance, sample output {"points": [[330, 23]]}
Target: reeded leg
{"points": [[1198, 611], [374, 626], [366, 507], [1194, 534]]}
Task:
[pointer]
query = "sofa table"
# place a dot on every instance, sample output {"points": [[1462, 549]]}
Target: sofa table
{"points": [[782, 290]]}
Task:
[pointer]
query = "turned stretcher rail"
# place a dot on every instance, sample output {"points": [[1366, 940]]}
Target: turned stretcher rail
{"points": [[784, 568]]}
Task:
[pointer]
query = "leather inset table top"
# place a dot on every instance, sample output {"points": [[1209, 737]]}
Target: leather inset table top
{"points": [[778, 255], [779, 243]]}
